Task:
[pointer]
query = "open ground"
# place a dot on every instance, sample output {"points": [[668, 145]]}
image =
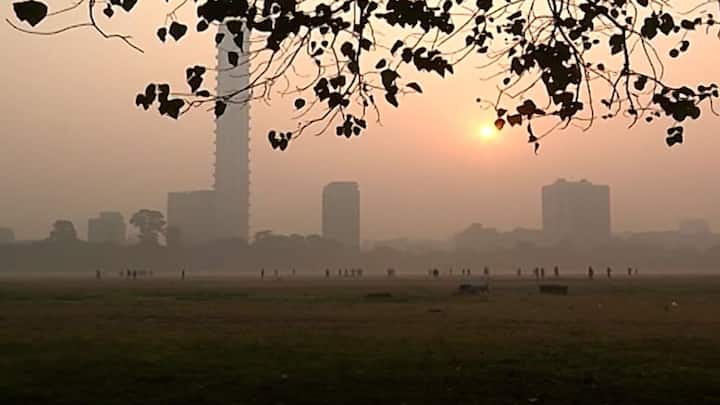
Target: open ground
{"points": [[223, 339]]}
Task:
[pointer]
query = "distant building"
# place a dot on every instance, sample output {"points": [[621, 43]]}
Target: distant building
{"points": [[224, 212], [6, 236], [477, 237], [191, 215], [576, 212], [108, 227], [694, 226], [523, 237], [341, 213], [232, 149]]}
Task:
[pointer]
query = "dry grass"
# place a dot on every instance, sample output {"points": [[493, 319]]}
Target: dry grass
{"points": [[241, 340]]}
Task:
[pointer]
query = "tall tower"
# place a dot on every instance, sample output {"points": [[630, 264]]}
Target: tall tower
{"points": [[341, 213], [232, 148]]}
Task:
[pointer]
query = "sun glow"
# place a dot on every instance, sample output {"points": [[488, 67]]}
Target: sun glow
{"points": [[487, 131]]}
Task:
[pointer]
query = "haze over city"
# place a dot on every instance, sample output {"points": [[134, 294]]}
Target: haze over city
{"points": [[360, 202], [75, 144]]}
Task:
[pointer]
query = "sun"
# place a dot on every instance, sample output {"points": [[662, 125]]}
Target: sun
{"points": [[487, 131]]}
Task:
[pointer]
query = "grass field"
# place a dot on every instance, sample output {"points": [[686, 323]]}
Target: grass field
{"points": [[312, 341]]}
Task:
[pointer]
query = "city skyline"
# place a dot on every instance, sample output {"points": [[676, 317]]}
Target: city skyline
{"points": [[559, 223], [66, 150]]}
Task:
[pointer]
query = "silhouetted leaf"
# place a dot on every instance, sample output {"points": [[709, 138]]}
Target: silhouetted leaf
{"points": [[171, 107], [128, 5], [233, 58], [220, 107], [177, 30], [415, 87], [391, 99], [30, 11], [162, 33]]}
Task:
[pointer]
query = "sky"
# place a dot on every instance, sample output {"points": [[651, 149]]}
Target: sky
{"points": [[73, 144]]}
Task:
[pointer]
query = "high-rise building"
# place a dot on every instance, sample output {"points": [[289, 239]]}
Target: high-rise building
{"points": [[227, 207], [6, 236], [577, 212], [341, 213], [232, 148], [108, 227]]}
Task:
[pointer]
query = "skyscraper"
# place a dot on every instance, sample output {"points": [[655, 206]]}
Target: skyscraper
{"points": [[578, 212], [341, 213], [229, 201], [108, 227], [232, 147]]}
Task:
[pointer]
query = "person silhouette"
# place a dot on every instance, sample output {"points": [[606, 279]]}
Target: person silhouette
{"points": [[556, 271], [591, 272]]}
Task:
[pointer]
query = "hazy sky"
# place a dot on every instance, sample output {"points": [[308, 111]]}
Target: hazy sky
{"points": [[74, 144]]}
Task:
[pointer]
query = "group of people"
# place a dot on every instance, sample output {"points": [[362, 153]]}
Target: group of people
{"points": [[276, 273], [539, 272], [129, 273], [351, 273], [609, 271], [465, 272]]}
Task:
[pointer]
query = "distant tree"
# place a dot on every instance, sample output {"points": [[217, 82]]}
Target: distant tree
{"points": [[150, 225], [557, 62], [63, 231]]}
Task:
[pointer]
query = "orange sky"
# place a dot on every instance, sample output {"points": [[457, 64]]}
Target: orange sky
{"points": [[74, 144]]}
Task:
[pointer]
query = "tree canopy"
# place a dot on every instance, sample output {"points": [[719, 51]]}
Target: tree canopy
{"points": [[556, 63], [63, 231], [150, 225]]}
